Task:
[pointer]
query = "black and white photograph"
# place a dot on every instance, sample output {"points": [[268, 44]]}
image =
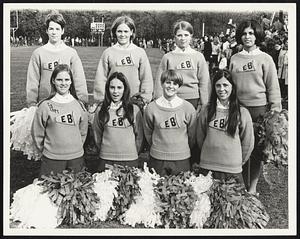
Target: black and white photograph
{"points": [[130, 119]]}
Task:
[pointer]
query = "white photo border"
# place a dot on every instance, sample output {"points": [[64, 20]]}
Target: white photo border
{"points": [[292, 106]]}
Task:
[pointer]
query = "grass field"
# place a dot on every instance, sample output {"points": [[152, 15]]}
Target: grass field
{"points": [[23, 171]]}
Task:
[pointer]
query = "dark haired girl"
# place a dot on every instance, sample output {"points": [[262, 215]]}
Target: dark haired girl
{"points": [[255, 76], [224, 131], [118, 125]]}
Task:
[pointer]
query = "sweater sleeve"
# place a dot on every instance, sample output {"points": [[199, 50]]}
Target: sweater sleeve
{"points": [[157, 85], [246, 133], [191, 126], [148, 125], [145, 76], [201, 127], [204, 80], [272, 84], [83, 124], [79, 78], [38, 128], [33, 80], [138, 128], [101, 78], [97, 129]]}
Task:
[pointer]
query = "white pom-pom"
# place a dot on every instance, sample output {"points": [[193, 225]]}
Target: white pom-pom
{"points": [[105, 188], [144, 210], [201, 183], [20, 128], [33, 208], [201, 211]]}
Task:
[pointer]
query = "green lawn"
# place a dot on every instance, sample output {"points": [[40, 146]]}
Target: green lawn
{"points": [[23, 171]]}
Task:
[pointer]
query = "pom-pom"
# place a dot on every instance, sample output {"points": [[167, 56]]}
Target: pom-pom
{"points": [[177, 199], [33, 208], [232, 207], [20, 128], [128, 189], [74, 195], [200, 212], [145, 209], [105, 189], [272, 132]]}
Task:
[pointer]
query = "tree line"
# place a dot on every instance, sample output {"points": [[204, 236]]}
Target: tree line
{"points": [[150, 24]]}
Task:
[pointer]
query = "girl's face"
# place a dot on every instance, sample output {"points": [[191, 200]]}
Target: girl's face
{"points": [[170, 89], [223, 89], [62, 83], [54, 32], [183, 38], [116, 90], [248, 39], [123, 34]]}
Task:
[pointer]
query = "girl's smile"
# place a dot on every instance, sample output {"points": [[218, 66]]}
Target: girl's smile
{"points": [[183, 39], [116, 90], [62, 83], [123, 34], [170, 89], [223, 89]]}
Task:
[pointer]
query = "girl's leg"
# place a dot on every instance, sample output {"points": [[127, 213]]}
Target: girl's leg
{"points": [[255, 170], [48, 165], [255, 159]]}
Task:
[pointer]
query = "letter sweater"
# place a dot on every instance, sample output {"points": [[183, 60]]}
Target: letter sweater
{"points": [[220, 151], [194, 70], [256, 80], [42, 63], [170, 132], [59, 129], [133, 63], [117, 139]]}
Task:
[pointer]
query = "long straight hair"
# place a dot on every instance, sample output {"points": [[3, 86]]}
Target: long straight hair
{"points": [[234, 105], [127, 105], [60, 68]]}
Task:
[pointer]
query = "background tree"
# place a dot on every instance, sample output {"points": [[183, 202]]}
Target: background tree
{"points": [[150, 24]]}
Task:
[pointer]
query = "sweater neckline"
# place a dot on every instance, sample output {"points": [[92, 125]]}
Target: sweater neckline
{"points": [[60, 103], [169, 109], [250, 56]]}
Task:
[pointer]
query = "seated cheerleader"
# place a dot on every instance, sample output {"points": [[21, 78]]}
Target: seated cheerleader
{"points": [[224, 131], [118, 125], [60, 125], [169, 127]]}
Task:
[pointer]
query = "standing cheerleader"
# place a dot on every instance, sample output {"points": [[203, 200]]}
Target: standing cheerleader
{"points": [[118, 125], [60, 125], [190, 63], [169, 127], [224, 131], [127, 58], [255, 76], [45, 58]]}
